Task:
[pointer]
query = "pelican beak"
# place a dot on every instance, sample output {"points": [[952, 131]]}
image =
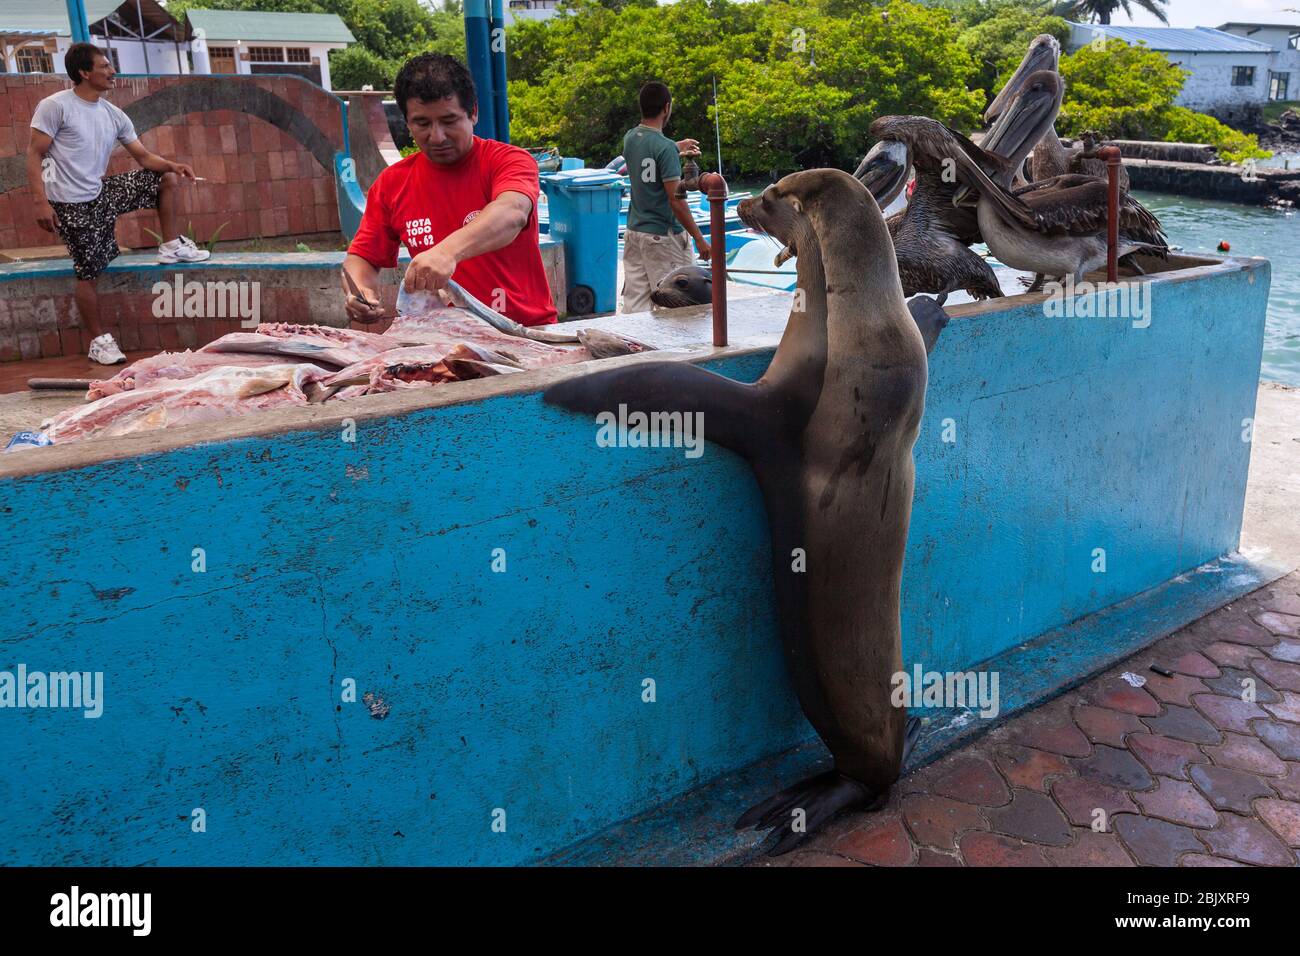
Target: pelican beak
{"points": [[1016, 132], [1043, 54], [884, 171]]}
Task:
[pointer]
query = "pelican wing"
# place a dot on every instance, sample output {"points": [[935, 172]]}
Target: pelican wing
{"points": [[969, 165], [1074, 204]]}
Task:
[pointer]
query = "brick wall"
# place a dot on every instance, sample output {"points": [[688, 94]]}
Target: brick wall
{"points": [[263, 143], [38, 317]]}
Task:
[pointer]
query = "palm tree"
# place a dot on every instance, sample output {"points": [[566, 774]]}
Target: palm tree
{"points": [[1086, 11]]}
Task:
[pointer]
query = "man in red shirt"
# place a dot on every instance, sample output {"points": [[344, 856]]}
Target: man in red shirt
{"points": [[463, 206]]}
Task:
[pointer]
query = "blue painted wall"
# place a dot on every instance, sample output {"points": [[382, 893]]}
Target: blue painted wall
{"points": [[522, 690]]}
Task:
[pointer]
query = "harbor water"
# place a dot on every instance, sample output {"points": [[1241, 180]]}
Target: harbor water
{"points": [[1199, 225]]}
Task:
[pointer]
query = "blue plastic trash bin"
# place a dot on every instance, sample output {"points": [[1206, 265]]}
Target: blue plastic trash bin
{"points": [[583, 206]]}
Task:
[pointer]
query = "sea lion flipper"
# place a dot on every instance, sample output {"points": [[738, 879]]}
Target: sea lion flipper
{"points": [[930, 319], [811, 803], [734, 413]]}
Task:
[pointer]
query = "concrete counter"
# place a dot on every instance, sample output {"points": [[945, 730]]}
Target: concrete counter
{"points": [[498, 589]]}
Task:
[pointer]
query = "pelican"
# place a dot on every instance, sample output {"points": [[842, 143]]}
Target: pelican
{"points": [[1055, 226], [931, 236], [1050, 156]]}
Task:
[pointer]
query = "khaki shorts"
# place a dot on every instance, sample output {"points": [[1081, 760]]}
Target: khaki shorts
{"points": [[647, 258]]}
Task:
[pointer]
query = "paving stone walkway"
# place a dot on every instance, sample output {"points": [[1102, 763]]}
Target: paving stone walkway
{"points": [[1186, 770]]}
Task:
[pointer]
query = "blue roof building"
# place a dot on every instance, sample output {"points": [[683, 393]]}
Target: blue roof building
{"points": [[1230, 75]]}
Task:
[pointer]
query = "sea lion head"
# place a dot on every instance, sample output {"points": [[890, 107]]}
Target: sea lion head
{"points": [[820, 210], [689, 285]]}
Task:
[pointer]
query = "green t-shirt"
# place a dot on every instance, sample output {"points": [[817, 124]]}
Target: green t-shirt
{"points": [[651, 158]]}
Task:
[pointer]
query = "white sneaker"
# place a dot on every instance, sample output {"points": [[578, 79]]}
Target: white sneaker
{"points": [[181, 250], [104, 350]]}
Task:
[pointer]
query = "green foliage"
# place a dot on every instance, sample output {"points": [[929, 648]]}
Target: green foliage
{"points": [[1086, 11], [1116, 89], [1186, 126], [797, 86], [998, 42], [353, 68], [1128, 92], [799, 81]]}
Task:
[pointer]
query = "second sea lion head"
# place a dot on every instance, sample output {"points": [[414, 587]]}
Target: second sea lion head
{"points": [[791, 210], [689, 285]]}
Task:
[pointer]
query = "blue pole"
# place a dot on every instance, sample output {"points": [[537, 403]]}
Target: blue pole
{"points": [[500, 100], [77, 20], [478, 30]]}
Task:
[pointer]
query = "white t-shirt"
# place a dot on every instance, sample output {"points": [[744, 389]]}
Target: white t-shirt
{"points": [[84, 135]]}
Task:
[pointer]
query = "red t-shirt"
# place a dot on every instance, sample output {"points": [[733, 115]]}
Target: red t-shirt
{"points": [[419, 203]]}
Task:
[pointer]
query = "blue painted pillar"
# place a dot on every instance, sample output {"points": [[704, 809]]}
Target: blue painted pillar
{"points": [[500, 99], [478, 56], [77, 20]]}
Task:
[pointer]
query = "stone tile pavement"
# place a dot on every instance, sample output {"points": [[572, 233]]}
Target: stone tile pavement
{"points": [[1188, 770]]}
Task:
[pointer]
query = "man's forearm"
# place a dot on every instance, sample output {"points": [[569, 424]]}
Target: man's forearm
{"points": [[363, 274], [494, 228], [683, 214], [155, 163], [35, 179]]}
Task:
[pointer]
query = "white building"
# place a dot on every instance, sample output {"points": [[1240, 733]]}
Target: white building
{"points": [[142, 37], [1229, 74], [530, 10], [230, 41], [1282, 34]]}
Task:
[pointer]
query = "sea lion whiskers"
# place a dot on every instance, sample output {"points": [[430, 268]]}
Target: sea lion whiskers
{"points": [[770, 214]]}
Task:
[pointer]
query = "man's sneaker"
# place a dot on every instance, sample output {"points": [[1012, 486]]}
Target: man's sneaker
{"points": [[181, 250], [105, 351]]}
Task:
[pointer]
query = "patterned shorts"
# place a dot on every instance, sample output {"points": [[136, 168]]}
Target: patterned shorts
{"points": [[88, 228]]}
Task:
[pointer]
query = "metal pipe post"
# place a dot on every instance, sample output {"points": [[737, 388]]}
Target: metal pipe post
{"points": [[716, 188], [77, 20], [478, 57], [1113, 158]]}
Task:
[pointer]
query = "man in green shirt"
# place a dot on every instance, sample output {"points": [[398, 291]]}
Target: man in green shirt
{"points": [[658, 222]]}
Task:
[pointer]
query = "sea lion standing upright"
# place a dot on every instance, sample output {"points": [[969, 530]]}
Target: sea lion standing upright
{"points": [[829, 431]]}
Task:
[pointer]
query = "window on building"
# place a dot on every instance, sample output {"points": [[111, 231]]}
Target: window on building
{"points": [[34, 59], [266, 54], [117, 64], [1243, 76], [297, 54], [1293, 41], [1278, 84], [521, 4]]}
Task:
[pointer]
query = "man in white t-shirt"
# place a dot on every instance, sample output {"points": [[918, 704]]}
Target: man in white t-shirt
{"points": [[73, 136]]}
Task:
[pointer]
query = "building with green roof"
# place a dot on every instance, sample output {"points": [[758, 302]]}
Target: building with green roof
{"points": [[142, 37]]}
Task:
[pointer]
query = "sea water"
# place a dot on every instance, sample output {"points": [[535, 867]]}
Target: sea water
{"points": [[1199, 225]]}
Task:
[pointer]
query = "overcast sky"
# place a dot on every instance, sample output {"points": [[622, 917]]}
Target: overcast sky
{"points": [[1210, 13]]}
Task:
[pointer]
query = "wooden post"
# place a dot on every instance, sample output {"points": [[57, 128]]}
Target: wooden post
{"points": [[716, 188], [1113, 158]]}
